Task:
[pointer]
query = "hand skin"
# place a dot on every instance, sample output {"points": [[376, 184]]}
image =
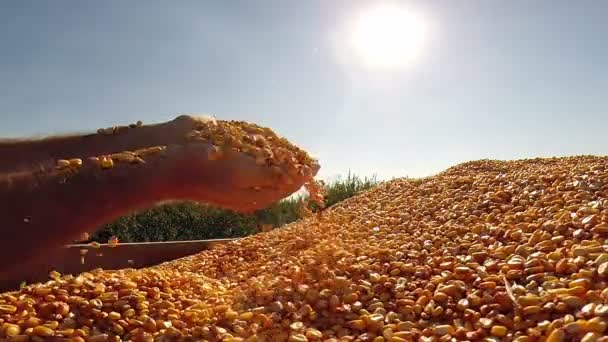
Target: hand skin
{"points": [[44, 208]]}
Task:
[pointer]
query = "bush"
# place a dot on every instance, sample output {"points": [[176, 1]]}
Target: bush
{"points": [[192, 221], [342, 189], [180, 221]]}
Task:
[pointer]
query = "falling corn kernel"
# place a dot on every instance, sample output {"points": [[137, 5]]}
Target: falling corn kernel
{"points": [[316, 192], [75, 162], [303, 209], [63, 163], [106, 162], [113, 241]]}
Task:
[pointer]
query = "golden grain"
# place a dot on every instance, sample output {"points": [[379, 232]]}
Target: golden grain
{"points": [[485, 250]]}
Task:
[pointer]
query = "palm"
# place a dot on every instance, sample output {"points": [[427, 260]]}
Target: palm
{"points": [[234, 181]]}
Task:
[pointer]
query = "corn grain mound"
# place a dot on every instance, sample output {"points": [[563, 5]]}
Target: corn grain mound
{"points": [[487, 250]]}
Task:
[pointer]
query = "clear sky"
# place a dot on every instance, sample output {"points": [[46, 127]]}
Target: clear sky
{"points": [[494, 79]]}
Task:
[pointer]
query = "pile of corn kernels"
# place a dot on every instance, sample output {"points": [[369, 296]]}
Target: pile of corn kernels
{"points": [[487, 250]]}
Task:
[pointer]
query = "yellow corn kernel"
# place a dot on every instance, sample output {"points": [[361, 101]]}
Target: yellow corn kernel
{"points": [[75, 162], [63, 163], [106, 162]]}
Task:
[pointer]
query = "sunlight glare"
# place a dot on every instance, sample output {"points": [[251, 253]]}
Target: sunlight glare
{"points": [[388, 36]]}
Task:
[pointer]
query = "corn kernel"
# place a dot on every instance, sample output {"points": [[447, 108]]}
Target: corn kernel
{"points": [[75, 162], [106, 162], [63, 163], [486, 249]]}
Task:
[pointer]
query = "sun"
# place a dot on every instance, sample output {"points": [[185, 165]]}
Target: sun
{"points": [[388, 36]]}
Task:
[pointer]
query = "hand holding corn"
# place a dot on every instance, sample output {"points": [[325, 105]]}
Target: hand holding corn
{"points": [[54, 189]]}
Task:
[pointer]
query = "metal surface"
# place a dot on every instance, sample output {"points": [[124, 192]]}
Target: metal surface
{"points": [[68, 260]]}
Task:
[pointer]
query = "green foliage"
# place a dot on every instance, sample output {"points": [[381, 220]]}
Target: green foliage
{"points": [[180, 221], [280, 213], [342, 189], [192, 221]]}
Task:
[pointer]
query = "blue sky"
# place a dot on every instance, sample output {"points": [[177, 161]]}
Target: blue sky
{"points": [[495, 79]]}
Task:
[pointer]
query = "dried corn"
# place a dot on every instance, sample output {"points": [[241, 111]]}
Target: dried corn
{"points": [[62, 164], [487, 250], [113, 241], [265, 146], [150, 151], [106, 162], [75, 162]]}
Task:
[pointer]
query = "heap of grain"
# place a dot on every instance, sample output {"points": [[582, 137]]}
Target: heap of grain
{"points": [[226, 139], [486, 250]]}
